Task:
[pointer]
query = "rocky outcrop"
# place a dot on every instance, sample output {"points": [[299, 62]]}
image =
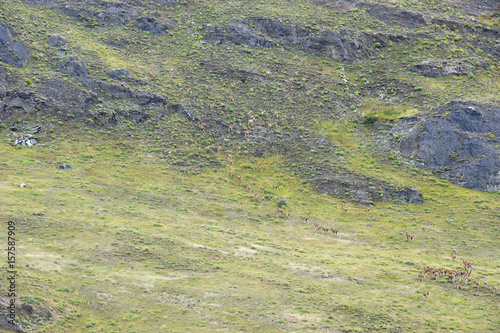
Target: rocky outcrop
{"points": [[408, 195], [4, 81], [102, 12], [56, 41], [436, 68], [74, 67], [12, 52], [342, 45], [238, 34], [459, 142], [119, 74]]}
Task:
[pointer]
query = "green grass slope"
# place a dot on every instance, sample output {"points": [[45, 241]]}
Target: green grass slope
{"points": [[148, 232]]}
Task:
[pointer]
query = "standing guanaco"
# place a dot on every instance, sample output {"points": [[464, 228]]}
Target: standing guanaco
{"points": [[495, 289], [426, 295], [344, 209]]}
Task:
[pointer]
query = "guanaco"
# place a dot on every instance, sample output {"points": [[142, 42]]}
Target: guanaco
{"points": [[453, 257], [454, 251], [230, 173], [495, 289], [231, 98], [344, 209], [260, 167], [409, 237], [421, 277], [202, 127], [304, 219], [325, 230], [238, 148], [247, 132], [250, 121], [458, 285], [426, 295], [276, 187], [286, 215], [189, 91], [231, 127], [279, 211], [485, 285], [219, 149], [231, 162], [335, 231], [478, 283], [368, 210], [261, 188]]}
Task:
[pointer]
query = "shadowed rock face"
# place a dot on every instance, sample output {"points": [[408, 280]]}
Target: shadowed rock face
{"points": [[11, 52], [459, 142], [436, 68]]}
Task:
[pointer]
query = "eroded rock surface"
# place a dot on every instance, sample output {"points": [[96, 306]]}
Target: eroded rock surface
{"points": [[459, 141]]}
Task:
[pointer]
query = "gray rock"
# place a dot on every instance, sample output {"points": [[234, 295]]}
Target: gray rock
{"points": [[5, 323], [23, 185], [144, 97], [56, 41], [61, 52], [281, 202], [4, 81], [435, 68], [409, 195], [11, 52], [64, 166], [119, 74], [458, 141], [373, 218], [74, 67]]}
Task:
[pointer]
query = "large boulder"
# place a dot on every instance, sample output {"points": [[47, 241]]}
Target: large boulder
{"points": [[120, 74], [74, 67], [11, 52], [56, 41], [458, 141]]}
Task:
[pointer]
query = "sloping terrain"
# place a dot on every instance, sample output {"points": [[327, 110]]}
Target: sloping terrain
{"points": [[189, 125]]}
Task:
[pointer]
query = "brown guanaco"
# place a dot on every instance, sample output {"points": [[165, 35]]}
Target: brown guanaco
{"points": [[495, 289], [409, 237], [201, 126], [231, 128], [262, 199], [276, 187], [231, 98], [368, 210], [276, 115], [478, 283], [344, 209], [261, 188], [286, 215], [485, 285], [247, 132], [335, 231], [325, 230], [189, 91], [279, 211], [304, 219], [231, 162], [454, 251], [453, 257], [421, 277], [127, 54], [219, 149], [458, 285], [426, 295], [250, 121], [238, 148], [230, 173], [260, 167]]}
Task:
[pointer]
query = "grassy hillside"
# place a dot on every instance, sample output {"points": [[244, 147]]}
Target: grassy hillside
{"points": [[148, 232]]}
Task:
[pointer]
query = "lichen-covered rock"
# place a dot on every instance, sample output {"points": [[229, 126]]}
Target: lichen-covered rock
{"points": [[458, 141], [11, 52]]}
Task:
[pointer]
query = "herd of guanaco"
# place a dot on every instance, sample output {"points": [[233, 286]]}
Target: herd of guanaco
{"points": [[454, 276]]}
